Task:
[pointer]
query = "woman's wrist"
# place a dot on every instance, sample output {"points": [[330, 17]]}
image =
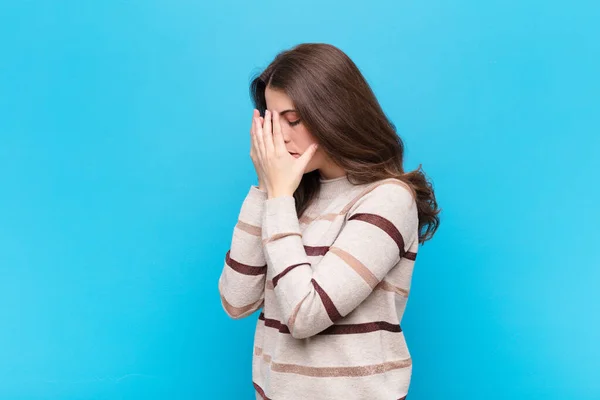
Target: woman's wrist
{"points": [[274, 194]]}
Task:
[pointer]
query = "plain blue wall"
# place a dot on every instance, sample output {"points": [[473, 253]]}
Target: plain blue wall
{"points": [[124, 159]]}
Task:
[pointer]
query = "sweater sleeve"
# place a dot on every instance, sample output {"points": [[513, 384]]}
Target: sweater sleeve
{"points": [[379, 228], [242, 281]]}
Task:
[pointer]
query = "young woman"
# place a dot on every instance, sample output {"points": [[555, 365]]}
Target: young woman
{"points": [[326, 243]]}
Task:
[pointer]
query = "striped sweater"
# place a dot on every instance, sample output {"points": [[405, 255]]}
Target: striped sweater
{"points": [[332, 287]]}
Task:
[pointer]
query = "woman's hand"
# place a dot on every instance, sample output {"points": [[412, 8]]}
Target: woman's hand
{"points": [[253, 154], [282, 172]]}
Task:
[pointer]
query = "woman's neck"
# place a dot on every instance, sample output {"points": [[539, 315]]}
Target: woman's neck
{"points": [[331, 172]]}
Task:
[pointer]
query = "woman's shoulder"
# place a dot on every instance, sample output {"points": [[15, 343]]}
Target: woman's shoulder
{"points": [[395, 187], [389, 204], [389, 194]]}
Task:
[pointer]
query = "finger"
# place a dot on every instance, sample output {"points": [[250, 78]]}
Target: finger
{"points": [[253, 127], [268, 134], [255, 114], [278, 141], [304, 159], [259, 138], [252, 136], [255, 144]]}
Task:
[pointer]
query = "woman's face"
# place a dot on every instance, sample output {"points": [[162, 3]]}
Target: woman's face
{"points": [[295, 135]]}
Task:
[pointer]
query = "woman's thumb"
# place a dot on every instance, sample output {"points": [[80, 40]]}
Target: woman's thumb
{"points": [[308, 154]]}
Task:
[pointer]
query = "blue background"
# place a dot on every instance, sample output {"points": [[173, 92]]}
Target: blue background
{"points": [[124, 159]]}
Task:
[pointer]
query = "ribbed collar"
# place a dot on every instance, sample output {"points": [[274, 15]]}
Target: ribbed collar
{"points": [[331, 188]]}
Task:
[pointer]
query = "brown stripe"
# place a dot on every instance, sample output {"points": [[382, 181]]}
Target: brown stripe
{"points": [[251, 229], [316, 250], [244, 268], [357, 266], [402, 398], [237, 311], [260, 391], [280, 236], [341, 329], [385, 225], [366, 327], [277, 277], [383, 285], [322, 250], [322, 372], [273, 323], [332, 311]]}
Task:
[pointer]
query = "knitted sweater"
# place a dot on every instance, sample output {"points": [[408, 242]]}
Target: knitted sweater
{"points": [[332, 285]]}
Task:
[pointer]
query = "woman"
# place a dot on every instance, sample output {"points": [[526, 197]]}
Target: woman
{"points": [[327, 241]]}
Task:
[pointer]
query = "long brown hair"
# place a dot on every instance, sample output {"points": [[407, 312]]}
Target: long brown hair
{"points": [[340, 110]]}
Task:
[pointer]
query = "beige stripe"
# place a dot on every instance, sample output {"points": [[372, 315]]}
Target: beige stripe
{"points": [[305, 219], [280, 236], [251, 229], [328, 217], [292, 319], [370, 188], [357, 266], [384, 285], [237, 311], [322, 372]]}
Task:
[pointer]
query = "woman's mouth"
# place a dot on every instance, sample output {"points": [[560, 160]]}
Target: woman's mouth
{"points": [[295, 155]]}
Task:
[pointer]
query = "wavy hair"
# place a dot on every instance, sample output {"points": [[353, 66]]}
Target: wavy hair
{"points": [[338, 107]]}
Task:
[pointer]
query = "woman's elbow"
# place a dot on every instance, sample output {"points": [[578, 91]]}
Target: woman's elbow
{"points": [[302, 330]]}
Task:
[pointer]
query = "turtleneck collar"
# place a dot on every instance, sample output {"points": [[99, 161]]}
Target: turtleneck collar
{"points": [[330, 188]]}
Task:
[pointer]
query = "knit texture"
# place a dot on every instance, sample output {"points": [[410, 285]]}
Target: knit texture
{"points": [[332, 287]]}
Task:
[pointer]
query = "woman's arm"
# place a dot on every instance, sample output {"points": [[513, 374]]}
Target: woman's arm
{"points": [[242, 281], [380, 228]]}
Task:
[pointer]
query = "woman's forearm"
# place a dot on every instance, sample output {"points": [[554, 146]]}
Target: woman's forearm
{"points": [[242, 280]]}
